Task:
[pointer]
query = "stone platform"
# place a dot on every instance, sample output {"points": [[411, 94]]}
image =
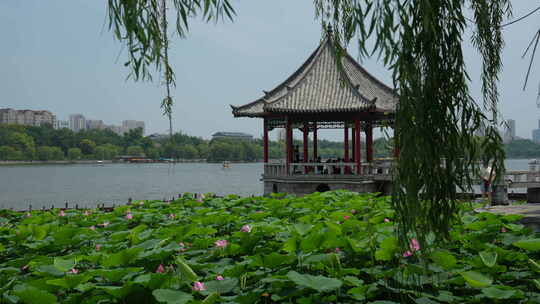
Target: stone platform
{"points": [[531, 213]]}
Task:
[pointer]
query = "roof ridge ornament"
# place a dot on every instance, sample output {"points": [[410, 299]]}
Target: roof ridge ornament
{"points": [[372, 103], [329, 29]]}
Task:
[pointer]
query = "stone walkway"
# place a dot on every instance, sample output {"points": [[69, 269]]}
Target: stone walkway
{"points": [[531, 213]]}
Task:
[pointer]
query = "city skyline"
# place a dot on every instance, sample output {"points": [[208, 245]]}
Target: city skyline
{"points": [[48, 65]]}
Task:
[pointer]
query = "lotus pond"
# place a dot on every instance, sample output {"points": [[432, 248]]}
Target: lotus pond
{"points": [[334, 247]]}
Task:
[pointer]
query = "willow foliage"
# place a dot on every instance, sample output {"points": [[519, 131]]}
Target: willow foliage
{"points": [[421, 41], [142, 25]]}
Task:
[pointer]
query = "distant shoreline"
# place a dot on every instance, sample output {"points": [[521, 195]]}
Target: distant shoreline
{"points": [[52, 162], [95, 162]]}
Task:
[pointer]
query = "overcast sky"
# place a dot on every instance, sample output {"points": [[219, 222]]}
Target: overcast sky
{"points": [[58, 55]]}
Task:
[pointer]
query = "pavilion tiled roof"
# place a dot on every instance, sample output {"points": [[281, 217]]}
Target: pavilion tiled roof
{"points": [[320, 85]]}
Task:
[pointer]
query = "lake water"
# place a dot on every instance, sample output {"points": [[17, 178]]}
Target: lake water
{"points": [[43, 185], [87, 185]]}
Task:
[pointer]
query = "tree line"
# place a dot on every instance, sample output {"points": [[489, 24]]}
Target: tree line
{"points": [[45, 143]]}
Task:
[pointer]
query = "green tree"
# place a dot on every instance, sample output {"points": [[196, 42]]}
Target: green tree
{"points": [[9, 153], [101, 152], [74, 153], [135, 151], [203, 150], [188, 152], [133, 137], [44, 153], [24, 143], [152, 153], [87, 146], [57, 153]]}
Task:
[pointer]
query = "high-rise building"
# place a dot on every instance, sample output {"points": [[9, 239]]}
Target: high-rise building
{"points": [[95, 124], [281, 135], [27, 117], [77, 122], [536, 135], [61, 124], [132, 124], [510, 131]]}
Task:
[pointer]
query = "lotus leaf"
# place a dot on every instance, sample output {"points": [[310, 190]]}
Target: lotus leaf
{"points": [[170, 296], [319, 283], [476, 279], [489, 258], [530, 244]]}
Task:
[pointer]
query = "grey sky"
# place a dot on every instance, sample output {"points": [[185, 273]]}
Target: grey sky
{"points": [[58, 55]]}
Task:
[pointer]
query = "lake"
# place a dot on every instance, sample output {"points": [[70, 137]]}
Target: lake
{"points": [[44, 185], [88, 185]]}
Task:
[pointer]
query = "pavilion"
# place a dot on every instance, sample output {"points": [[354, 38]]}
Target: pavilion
{"points": [[329, 91]]}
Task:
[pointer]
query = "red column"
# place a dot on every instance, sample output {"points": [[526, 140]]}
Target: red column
{"points": [[357, 145], [315, 156], [346, 143], [369, 143], [305, 140], [265, 141], [288, 144], [353, 143], [346, 148]]}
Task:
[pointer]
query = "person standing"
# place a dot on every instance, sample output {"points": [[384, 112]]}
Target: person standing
{"points": [[487, 176]]}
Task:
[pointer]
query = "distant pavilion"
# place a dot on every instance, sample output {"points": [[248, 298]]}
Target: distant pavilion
{"points": [[324, 94]]}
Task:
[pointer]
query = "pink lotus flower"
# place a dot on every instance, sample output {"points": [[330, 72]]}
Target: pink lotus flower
{"points": [[98, 247], [141, 203], [86, 213], [172, 216], [337, 250], [198, 286], [105, 224], [386, 220], [346, 217], [74, 271], [415, 245], [129, 216], [353, 211], [92, 227], [246, 228], [160, 269], [219, 278], [62, 213], [221, 243], [25, 267], [407, 253], [503, 230]]}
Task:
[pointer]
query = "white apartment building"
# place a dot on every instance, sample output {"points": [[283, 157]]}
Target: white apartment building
{"points": [[27, 117]]}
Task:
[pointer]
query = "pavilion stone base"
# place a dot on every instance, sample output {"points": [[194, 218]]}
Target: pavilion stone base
{"points": [[303, 187]]}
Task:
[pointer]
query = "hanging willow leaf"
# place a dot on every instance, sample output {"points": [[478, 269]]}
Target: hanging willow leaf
{"points": [[421, 42], [142, 25]]}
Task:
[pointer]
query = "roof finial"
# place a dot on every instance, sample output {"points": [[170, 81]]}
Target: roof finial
{"points": [[329, 29]]}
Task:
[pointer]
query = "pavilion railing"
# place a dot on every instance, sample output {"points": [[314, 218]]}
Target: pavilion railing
{"points": [[328, 169]]}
